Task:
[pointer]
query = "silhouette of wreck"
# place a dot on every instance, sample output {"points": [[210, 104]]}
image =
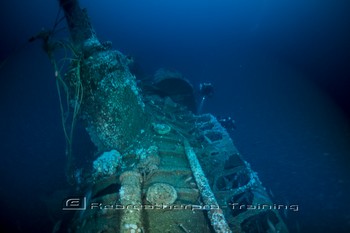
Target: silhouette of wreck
{"points": [[159, 166]]}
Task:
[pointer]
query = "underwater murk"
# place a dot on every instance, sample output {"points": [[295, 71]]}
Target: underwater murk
{"points": [[169, 116]]}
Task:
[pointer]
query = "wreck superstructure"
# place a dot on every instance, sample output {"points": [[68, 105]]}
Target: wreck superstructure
{"points": [[160, 167]]}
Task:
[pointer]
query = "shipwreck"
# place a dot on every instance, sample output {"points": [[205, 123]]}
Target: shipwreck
{"points": [[160, 166]]}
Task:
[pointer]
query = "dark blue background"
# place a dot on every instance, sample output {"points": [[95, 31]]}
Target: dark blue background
{"points": [[280, 69]]}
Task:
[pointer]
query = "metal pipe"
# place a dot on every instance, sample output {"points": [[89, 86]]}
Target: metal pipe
{"points": [[215, 214]]}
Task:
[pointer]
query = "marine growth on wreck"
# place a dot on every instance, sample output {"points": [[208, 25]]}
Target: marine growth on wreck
{"points": [[159, 166]]}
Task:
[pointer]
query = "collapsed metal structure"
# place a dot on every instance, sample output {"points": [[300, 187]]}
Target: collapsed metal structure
{"points": [[161, 168]]}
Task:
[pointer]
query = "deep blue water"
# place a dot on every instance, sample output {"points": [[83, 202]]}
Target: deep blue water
{"points": [[280, 69]]}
